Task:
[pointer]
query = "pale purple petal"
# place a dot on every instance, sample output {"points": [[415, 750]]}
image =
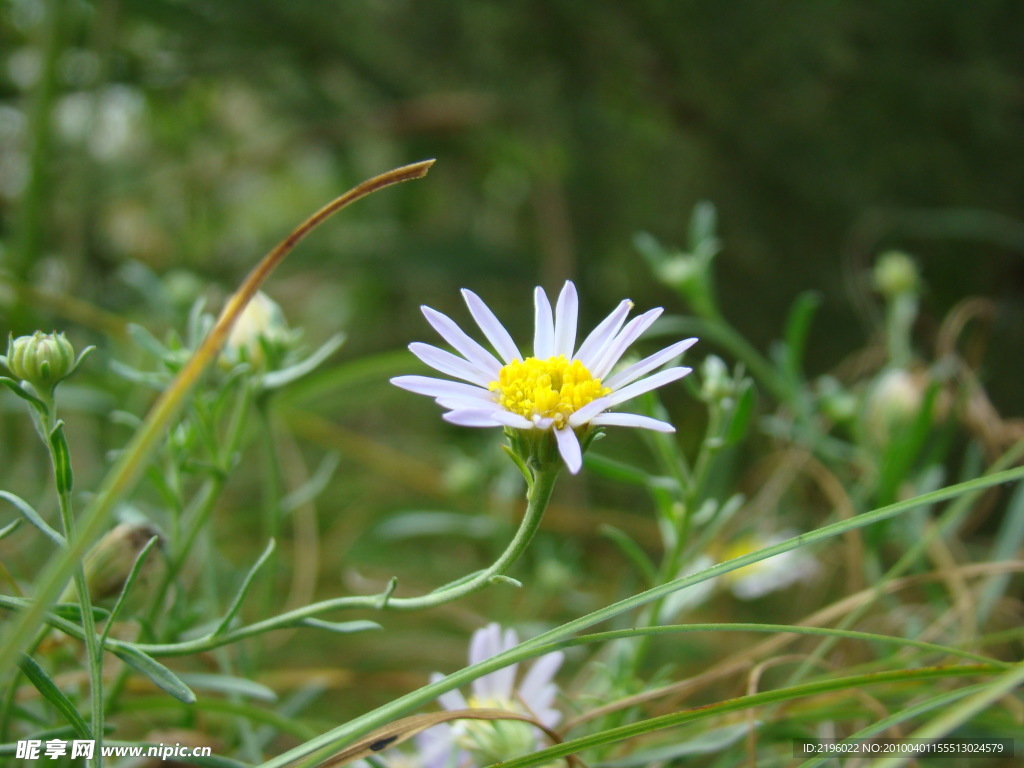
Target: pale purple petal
{"points": [[541, 673], [427, 385], [446, 362], [450, 700], [471, 418], [648, 364], [544, 328], [569, 447], [435, 746], [659, 379], [621, 343], [594, 345], [492, 327], [543, 422], [502, 682], [566, 315], [631, 420], [464, 345], [484, 644]]}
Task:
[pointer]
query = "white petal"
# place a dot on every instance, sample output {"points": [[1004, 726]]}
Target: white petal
{"points": [[541, 673], [450, 700], [464, 345], [631, 420], [427, 385], [566, 315], [544, 328], [621, 342], [446, 362], [648, 364], [471, 418], [591, 409], [594, 344], [569, 447], [492, 327], [458, 403], [509, 419]]}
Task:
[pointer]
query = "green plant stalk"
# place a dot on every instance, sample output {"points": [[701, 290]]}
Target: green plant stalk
{"points": [[93, 648], [124, 475], [345, 734], [537, 501]]}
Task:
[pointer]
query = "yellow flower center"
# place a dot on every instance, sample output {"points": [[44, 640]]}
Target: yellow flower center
{"points": [[554, 388]]}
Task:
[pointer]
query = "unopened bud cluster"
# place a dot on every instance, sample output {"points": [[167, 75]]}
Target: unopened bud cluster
{"points": [[42, 359]]}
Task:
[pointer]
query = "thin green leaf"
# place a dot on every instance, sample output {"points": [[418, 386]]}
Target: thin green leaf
{"points": [[742, 411], [133, 574], [313, 487], [62, 473], [1007, 544], [832, 685], [33, 517], [632, 551], [160, 675], [619, 471], [7, 530], [244, 589], [228, 684], [798, 327], [285, 376], [714, 740], [340, 627], [24, 394], [415, 523], [141, 336], [49, 691]]}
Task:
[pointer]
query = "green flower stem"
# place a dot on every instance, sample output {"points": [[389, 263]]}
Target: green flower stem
{"points": [[124, 475], [345, 734], [93, 649], [537, 501]]}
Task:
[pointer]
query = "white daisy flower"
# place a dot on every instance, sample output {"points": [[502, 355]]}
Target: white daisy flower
{"points": [[561, 388], [533, 695]]}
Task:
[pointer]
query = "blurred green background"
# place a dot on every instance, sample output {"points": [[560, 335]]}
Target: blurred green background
{"points": [[152, 150]]}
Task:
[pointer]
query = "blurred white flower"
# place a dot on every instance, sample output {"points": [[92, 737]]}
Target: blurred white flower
{"points": [[775, 573]]}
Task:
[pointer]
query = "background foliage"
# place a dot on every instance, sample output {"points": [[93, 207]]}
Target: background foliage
{"points": [[151, 151]]}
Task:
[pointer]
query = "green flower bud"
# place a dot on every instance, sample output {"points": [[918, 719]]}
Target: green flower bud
{"points": [[42, 359], [260, 328], [895, 274], [716, 384]]}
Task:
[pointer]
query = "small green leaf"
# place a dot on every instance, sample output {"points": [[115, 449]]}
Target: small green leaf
{"points": [[160, 675], [798, 327], [228, 684], [33, 517], [24, 394], [49, 691], [278, 379], [65, 478], [7, 530], [340, 627]]}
